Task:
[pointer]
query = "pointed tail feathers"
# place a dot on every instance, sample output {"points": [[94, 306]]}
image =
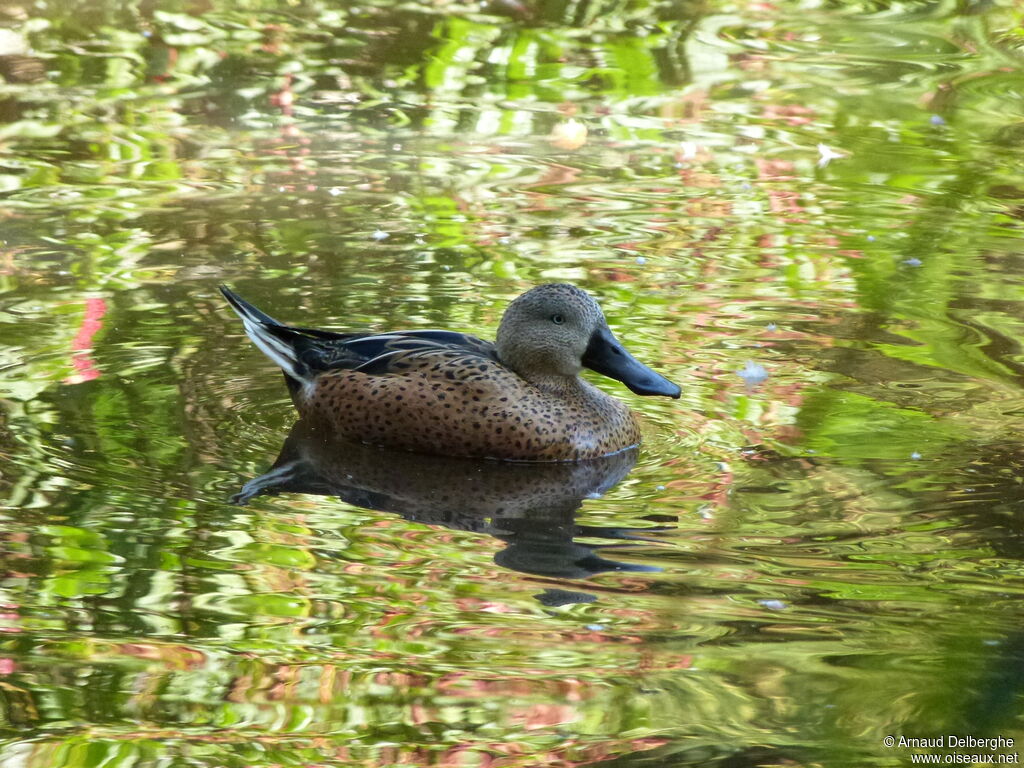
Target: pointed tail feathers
{"points": [[275, 340]]}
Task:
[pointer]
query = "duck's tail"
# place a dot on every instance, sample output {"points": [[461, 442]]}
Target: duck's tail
{"points": [[281, 343]]}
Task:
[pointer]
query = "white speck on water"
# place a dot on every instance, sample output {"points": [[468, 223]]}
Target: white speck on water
{"points": [[380, 234], [915, 455], [594, 495], [689, 149], [991, 642], [595, 627], [871, 238], [826, 155], [753, 373], [659, 488], [641, 260], [937, 120], [504, 241], [772, 327], [913, 262], [335, 191], [774, 605]]}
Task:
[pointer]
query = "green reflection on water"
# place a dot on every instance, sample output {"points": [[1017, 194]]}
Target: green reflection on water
{"points": [[831, 191]]}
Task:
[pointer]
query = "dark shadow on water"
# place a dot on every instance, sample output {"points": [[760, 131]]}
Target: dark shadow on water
{"points": [[531, 507]]}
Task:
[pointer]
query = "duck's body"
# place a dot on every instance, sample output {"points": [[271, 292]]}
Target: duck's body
{"points": [[454, 403], [447, 393]]}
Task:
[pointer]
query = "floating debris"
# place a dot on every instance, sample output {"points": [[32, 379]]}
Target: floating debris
{"points": [[380, 234], [572, 134], [753, 373], [774, 605], [826, 155]]}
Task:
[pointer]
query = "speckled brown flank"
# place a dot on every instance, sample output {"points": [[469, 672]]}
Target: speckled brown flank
{"points": [[445, 393], [467, 407]]}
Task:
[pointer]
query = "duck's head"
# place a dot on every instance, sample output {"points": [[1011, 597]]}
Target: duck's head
{"points": [[556, 330]]}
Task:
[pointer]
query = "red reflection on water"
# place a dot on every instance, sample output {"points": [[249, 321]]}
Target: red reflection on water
{"points": [[81, 360]]}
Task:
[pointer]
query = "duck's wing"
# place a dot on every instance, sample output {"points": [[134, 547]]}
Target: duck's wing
{"points": [[305, 352], [380, 353]]}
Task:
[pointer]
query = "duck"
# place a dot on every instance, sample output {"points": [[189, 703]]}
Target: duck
{"points": [[441, 392]]}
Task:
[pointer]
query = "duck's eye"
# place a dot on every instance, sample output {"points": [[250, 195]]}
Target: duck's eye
{"points": [[557, 319]]}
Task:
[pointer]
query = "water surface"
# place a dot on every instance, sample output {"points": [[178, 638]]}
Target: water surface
{"points": [[806, 213]]}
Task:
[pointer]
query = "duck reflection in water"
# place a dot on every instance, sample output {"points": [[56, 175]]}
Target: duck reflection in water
{"points": [[531, 507]]}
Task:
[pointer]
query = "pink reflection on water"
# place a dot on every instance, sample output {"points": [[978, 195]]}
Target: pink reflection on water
{"points": [[81, 360]]}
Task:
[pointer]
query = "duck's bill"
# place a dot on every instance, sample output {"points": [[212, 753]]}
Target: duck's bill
{"points": [[608, 357]]}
